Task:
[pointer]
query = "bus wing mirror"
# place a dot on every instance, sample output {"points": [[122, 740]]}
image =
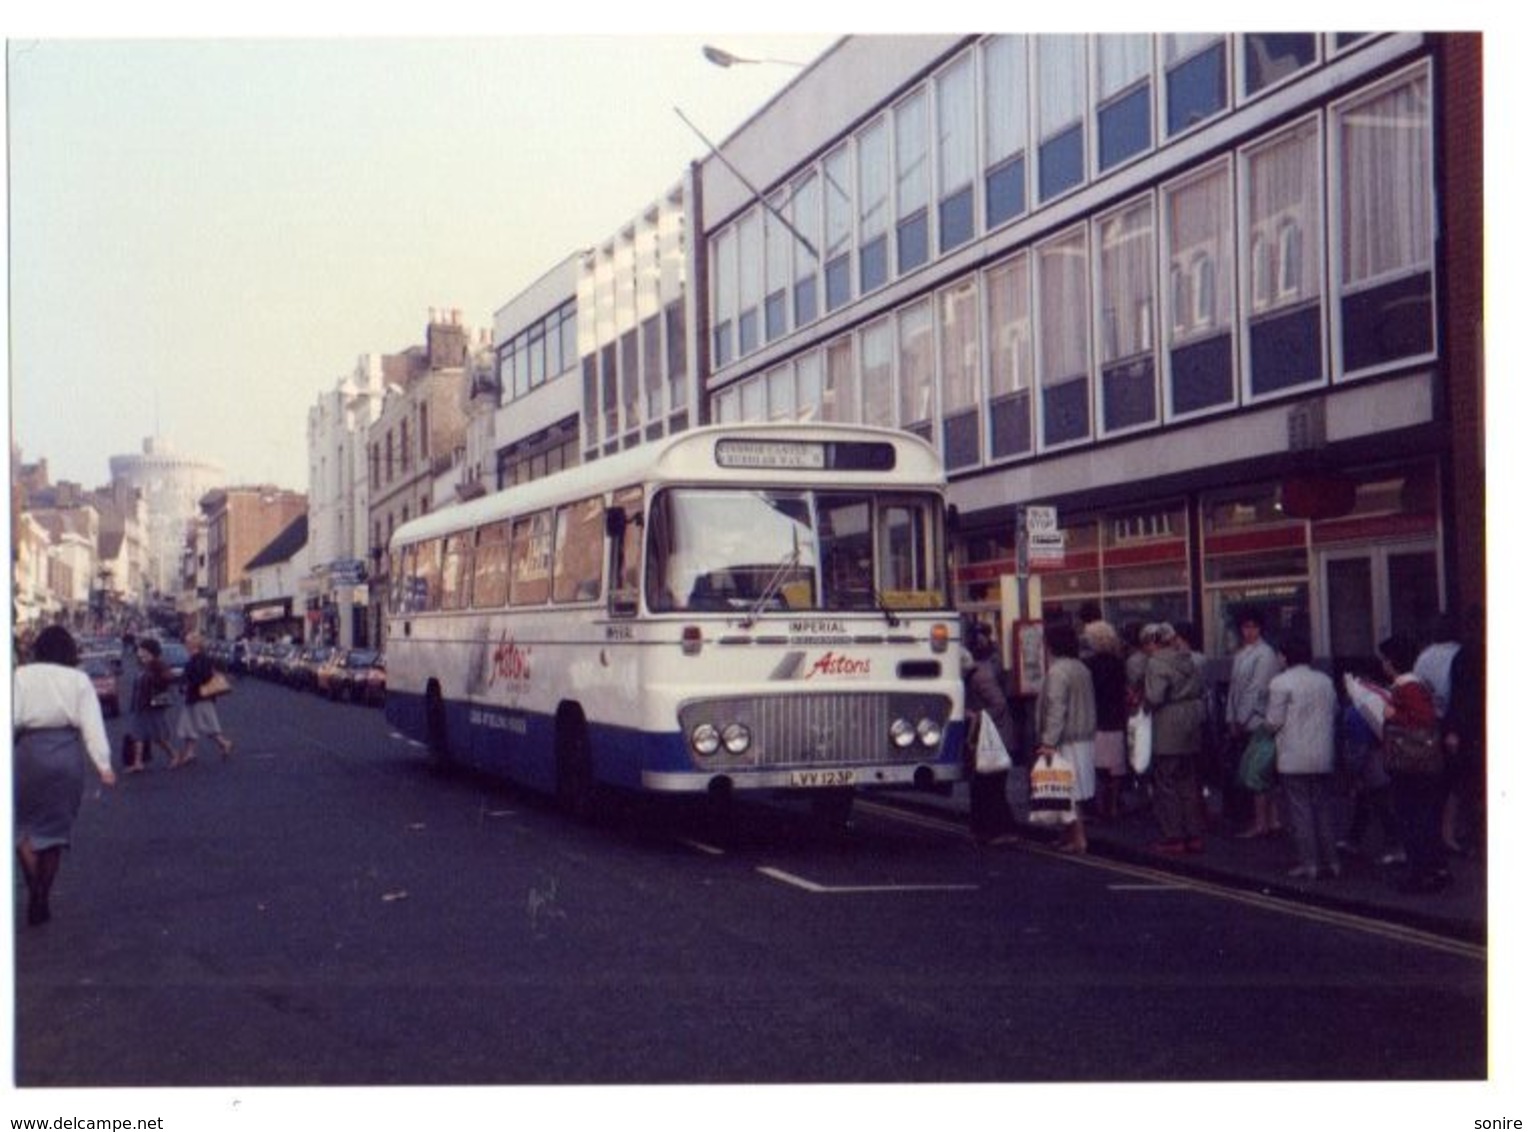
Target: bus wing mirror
{"points": [[954, 520], [616, 522]]}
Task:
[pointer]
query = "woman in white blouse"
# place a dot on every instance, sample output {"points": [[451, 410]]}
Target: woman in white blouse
{"points": [[58, 726]]}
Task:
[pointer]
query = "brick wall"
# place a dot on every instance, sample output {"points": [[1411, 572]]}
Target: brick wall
{"points": [[1461, 155]]}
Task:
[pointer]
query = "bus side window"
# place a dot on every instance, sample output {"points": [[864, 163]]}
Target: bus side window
{"points": [[397, 567], [530, 559], [580, 535], [491, 566], [627, 550], [457, 562], [427, 583]]}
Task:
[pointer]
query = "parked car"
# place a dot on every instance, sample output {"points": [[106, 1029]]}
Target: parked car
{"points": [[105, 649], [367, 683], [289, 665], [327, 673], [345, 682], [298, 672], [103, 676], [274, 660]]}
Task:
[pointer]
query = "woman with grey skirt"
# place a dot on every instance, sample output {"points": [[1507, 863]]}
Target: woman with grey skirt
{"points": [[199, 718], [57, 728]]}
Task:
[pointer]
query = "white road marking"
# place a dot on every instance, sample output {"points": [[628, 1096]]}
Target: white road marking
{"points": [[843, 890], [1156, 878]]}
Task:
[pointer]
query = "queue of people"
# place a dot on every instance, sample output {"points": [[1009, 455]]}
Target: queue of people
{"points": [[1323, 760], [60, 735]]}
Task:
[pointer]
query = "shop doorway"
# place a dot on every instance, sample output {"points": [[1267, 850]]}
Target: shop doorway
{"points": [[1376, 592]]}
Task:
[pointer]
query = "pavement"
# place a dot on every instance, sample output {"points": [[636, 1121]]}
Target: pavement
{"points": [[1364, 888]]}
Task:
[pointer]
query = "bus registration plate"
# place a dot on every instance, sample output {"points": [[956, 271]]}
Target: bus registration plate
{"points": [[822, 778]]}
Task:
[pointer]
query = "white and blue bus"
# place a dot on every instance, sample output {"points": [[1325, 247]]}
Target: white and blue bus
{"points": [[735, 608]]}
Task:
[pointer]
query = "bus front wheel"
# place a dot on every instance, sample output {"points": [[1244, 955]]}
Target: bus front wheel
{"points": [[436, 730], [575, 785]]}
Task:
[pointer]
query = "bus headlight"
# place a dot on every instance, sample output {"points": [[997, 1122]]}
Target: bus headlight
{"points": [[901, 733], [705, 739], [736, 738], [930, 733]]}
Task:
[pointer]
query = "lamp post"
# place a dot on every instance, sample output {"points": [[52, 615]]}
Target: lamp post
{"points": [[721, 58]]}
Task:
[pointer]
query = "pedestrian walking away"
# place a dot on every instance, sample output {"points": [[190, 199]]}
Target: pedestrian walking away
{"points": [[57, 729]]}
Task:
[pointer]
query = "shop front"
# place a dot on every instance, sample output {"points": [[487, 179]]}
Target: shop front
{"points": [[272, 620], [1346, 562]]}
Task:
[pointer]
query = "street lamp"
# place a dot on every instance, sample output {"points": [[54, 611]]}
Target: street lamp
{"points": [[721, 58]]}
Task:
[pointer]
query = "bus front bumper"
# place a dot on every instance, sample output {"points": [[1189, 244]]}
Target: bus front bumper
{"points": [[918, 775]]}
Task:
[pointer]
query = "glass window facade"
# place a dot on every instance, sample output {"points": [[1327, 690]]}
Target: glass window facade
{"points": [[628, 323], [1299, 257]]}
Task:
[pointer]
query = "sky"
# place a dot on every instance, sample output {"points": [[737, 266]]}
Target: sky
{"points": [[209, 225], [206, 233]]}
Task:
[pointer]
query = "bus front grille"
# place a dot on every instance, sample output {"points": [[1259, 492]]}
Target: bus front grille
{"points": [[834, 728]]}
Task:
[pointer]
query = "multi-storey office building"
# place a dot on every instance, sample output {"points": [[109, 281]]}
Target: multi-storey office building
{"points": [[636, 357], [1215, 298], [338, 534], [536, 400]]}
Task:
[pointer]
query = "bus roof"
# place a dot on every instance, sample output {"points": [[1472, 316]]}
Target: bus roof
{"points": [[686, 457]]}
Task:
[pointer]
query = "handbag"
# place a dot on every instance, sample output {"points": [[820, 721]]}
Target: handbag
{"points": [[1052, 791], [214, 686], [990, 757], [1412, 750], [1140, 740], [1258, 762]]}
